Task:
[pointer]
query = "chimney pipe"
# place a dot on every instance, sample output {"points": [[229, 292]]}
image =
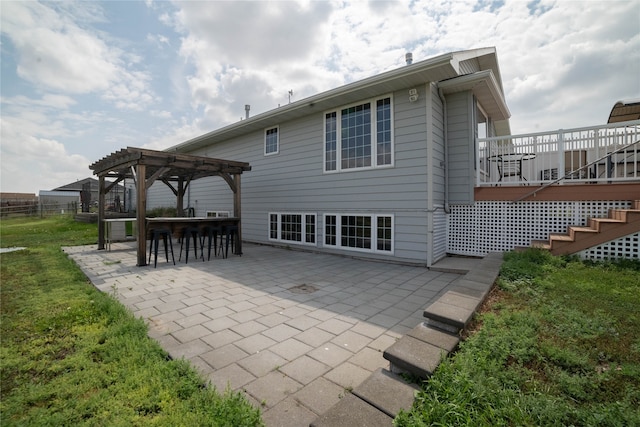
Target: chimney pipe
{"points": [[247, 107], [409, 58]]}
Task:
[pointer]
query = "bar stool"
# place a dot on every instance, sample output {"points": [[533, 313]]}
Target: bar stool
{"points": [[231, 234], [156, 233], [189, 233], [212, 232]]}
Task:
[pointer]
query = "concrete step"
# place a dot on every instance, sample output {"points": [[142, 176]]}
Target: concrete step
{"points": [[409, 355], [451, 313], [388, 392], [352, 411]]}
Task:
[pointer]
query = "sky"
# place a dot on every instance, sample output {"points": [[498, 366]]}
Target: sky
{"points": [[80, 80]]}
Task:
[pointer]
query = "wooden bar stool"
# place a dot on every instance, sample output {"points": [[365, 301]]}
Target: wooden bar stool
{"points": [[156, 234]]}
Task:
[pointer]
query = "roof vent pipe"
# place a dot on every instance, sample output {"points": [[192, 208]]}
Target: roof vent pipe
{"points": [[409, 58], [247, 107]]}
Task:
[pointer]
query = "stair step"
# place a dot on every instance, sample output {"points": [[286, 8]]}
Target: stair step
{"points": [[541, 244], [413, 356], [387, 392], [626, 215], [560, 238], [352, 411]]}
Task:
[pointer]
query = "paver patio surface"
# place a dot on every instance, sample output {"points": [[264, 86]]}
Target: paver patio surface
{"points": [[293, 330]]}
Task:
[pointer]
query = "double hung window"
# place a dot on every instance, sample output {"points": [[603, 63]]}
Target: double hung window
{"points": [[359, 136]]}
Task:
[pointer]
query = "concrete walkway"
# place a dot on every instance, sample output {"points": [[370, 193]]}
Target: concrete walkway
{"points": [[295, 331]]}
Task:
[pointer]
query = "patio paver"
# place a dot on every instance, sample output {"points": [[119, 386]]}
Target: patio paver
{"points": [[241, 323]]}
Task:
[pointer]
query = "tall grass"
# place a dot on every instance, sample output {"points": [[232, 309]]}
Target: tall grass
{"points": [[559, 345], [72, 355]]}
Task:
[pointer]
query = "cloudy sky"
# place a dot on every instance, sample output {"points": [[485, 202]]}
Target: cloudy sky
{"points": [[80, 80]]}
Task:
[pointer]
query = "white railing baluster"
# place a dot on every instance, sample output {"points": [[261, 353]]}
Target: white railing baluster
{"points": [[612, 153]]}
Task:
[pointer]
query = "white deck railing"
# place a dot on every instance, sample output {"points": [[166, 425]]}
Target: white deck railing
{"points": [[599, 154]]}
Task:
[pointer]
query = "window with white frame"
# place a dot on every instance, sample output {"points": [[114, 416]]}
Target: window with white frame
{"points": [[271, 141], [293, 227], [371, 233], [359, 136]]}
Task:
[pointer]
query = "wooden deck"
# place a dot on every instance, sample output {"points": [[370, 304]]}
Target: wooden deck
{"points": [[567, 192]]}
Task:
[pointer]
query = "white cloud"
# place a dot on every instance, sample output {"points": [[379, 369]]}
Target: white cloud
{"points": [[56, 53], [30, 162], [563, 63]]}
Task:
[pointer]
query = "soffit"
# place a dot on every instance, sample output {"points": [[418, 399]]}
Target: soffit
{"points": [[484, 86]]}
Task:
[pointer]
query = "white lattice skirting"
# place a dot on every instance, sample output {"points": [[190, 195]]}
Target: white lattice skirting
{"points": [[502, 226]]}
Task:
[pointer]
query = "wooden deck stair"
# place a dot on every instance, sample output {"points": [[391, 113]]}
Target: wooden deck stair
{"points": [[621, 222]]}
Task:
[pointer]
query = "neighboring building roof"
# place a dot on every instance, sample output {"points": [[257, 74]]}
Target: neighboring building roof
{"points": [[77, 186], [478, 66], [59, 193], [626, 110], [17, 196]]}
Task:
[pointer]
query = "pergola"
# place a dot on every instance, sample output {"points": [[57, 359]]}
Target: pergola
{"points": [[175, 170]]}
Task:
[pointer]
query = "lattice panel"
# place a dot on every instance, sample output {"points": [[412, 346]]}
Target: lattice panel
{"points": [[501, 226], [627, 247]]}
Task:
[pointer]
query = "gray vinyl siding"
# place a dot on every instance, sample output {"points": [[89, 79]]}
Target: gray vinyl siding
{"points": [[460, 147], [293, 181], [439, 249], [438, 147]]}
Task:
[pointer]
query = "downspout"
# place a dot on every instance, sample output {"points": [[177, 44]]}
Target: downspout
{"points": [[445, 126]]}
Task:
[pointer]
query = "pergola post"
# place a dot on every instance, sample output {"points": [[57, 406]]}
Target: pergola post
{"points": [[237, 210], [141, 213], [180, 197], [101, 211]]}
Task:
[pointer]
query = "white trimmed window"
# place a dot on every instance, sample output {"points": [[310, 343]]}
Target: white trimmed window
{"points": [[370, 233], [271, 141], [359, 136], [293, 227]]}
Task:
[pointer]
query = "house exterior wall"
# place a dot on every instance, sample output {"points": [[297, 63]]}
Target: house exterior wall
{"points": [[293, 180], [460, 130], [438, 181]]}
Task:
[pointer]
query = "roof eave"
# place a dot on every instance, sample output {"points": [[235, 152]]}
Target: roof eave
{"points": [[443, 66], [486, 88]]}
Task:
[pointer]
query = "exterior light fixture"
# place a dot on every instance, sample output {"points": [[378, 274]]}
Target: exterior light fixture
{"points": [[413, 95]]}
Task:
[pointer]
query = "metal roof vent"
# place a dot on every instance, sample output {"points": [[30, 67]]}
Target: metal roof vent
{"points": [[409, 58], [247, 107]]}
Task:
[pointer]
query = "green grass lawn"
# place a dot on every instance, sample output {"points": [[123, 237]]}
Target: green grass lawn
{"points": [[71, 355], [558, 343]]}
